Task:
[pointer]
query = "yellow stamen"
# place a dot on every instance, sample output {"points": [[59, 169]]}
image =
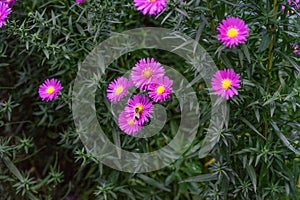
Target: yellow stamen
{"points": [[140, 108], [119, 90], [201, 87], [152, 1], [50, 90], [232, 33], [147, 73], [226, 84], [161, 89], [131, 122]]}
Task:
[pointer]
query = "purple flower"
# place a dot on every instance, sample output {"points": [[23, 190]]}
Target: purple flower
{"points": [[140, 107], [161, 89], [233, 31], [128, 124], [80, 1], [117, 89], [10, 3], [151, 7], [296, 49], [50, 89], [5, 10], [146, 72], [294, 4], [225, 82]]}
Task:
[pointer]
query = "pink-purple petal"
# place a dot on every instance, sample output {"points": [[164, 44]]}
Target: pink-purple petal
{"points": [[218, 79]]}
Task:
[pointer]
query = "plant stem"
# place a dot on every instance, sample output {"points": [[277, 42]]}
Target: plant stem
{"points": [[272, 44], [271, 56], [211, 14]]}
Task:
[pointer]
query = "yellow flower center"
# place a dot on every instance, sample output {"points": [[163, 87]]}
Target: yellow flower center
{"points": [[161, 89], [226, 84], [119, 90], [147, 73], [152, 1], [140, 109], [50, 90], [8, 1], [131, 122], [232, 33]]}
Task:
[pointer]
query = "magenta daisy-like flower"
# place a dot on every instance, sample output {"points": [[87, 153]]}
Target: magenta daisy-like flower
{"points": [[140, 107], [5, 10], [10, 3], [50, 89], [161, 89], [233, 31], [80, 1], [225, 82], [128, 124], [151, 7], [146, 71], [117, 89]]}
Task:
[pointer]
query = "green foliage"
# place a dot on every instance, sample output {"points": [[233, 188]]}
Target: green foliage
{"points": [[41, 154]]}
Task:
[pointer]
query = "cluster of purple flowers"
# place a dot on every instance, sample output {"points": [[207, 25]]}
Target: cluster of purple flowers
{"points": [[149, 76], [294, 4], [232, 32], [5, 10]]}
